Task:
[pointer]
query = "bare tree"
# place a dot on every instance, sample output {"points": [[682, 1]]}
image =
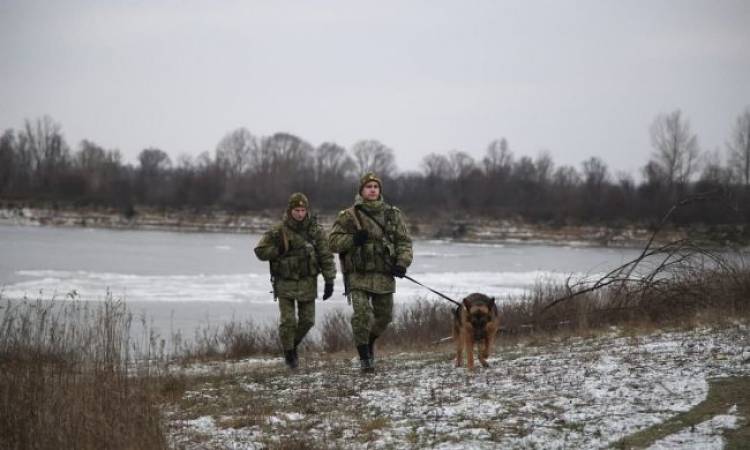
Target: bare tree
{"points": [[436, 167], [234, 153], [675, 148], [8, 166], [43, 142], [92, 157], [282, 164], [498, 160], [290, 154], [565, 178], [714, 173], [625, 182], [153, 161], [595, 173], [739, 148], [544, 167], [461, 165], [96, 165], [373, 156], [153, 183], [524, 171], [332, 162], [654, 174]]}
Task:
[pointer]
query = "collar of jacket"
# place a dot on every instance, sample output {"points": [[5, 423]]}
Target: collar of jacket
{"points": [[300, 226], [371, 206]]}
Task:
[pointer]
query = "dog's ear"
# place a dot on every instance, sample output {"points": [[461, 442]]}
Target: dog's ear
{"points": [[467, 303]]}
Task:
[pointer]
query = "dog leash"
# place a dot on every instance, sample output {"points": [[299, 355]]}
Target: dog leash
{"points": [[385, 235], [433, 290]]}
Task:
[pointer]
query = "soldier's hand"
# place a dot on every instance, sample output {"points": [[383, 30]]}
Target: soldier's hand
{"points": [[360, 237], [327, 291], [398, 271]]}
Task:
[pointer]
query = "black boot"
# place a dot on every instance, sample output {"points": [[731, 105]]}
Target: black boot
{"points": [[296, 356], [371, 347], [365, 361], [290, 357]]}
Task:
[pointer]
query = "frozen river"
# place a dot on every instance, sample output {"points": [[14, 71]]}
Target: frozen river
{"points": [[186, 280]]}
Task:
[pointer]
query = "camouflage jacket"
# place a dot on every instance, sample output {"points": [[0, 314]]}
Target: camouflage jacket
{"points": [[368, 267], [294, 273]]}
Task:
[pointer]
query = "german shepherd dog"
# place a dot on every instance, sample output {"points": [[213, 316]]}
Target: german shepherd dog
{"points": [[476, 320]]}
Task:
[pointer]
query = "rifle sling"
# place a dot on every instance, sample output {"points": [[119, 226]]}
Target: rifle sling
{"points": [[377, 222]]}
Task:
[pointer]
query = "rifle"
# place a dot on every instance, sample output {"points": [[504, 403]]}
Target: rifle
{"points": [[344, 274], [386, 237], [273, 285]]}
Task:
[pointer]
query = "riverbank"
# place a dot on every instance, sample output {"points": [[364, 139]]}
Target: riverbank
{"points": [[455, 228]]}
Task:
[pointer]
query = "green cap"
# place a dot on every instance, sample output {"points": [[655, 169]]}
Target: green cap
{"points": [[298, 200], [366, 178]]}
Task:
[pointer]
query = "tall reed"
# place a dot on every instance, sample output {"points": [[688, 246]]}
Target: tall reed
{"points": [[67, 379]]}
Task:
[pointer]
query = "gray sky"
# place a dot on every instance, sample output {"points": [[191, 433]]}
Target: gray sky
{"points": [[575, 78]]}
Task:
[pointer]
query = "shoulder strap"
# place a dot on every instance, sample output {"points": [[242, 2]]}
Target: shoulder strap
{"points": [[353, 213], [390, 213], [377, 222], [304, 238], [284, 237]]}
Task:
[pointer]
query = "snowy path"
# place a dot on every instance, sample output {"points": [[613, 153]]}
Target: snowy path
{"points": [[574, 393]]}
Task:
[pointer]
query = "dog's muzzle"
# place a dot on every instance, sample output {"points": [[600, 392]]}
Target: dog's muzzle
{"points": [[479, 323]]}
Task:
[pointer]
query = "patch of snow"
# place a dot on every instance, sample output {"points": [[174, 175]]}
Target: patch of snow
{"points": [[706, 435]]}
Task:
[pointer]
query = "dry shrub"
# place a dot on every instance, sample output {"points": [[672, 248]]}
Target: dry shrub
{"points": [[65, 381], [232, 340], [420, 323], [682, 293], [336, 332], [241, 340]]}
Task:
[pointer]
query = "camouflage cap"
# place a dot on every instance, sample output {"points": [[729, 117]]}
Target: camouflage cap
{"points": [[298, 200], [366, 178]]}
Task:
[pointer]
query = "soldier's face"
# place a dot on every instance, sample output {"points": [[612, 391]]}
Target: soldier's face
{"points": [[299, 213], [371, 190]]}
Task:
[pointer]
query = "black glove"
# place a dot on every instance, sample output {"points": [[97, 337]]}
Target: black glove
{"points": [[327, 291], [360, 237], [398, 271]]}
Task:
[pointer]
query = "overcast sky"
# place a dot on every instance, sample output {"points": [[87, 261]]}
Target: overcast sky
{"points": [[575, 78]]}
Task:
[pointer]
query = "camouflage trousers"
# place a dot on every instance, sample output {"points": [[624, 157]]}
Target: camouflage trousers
{"points": [[372, 314], [293, 327]]}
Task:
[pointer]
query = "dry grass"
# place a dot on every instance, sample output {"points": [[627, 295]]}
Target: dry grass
{"points": [[679, 286], [65, 379], [232, 340], [723, 394]]}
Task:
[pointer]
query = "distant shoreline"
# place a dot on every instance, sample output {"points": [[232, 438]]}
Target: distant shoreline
{"points": [[474, 229]]}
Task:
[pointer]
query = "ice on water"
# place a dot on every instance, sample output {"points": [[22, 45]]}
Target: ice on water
{"points": [[247, 287]]}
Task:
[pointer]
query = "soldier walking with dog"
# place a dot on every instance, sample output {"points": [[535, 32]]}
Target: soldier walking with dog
{"points": [[374, 246], [297, 250]]}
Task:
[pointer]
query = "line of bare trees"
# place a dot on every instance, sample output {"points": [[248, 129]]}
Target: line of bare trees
{"points": [[248, 172]]}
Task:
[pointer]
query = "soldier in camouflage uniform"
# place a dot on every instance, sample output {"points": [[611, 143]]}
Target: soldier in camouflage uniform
{"points": [[373, 246], [297, 249]]}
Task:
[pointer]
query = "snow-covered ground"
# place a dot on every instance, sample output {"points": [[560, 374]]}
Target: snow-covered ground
{"points": [[570, 393]]}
